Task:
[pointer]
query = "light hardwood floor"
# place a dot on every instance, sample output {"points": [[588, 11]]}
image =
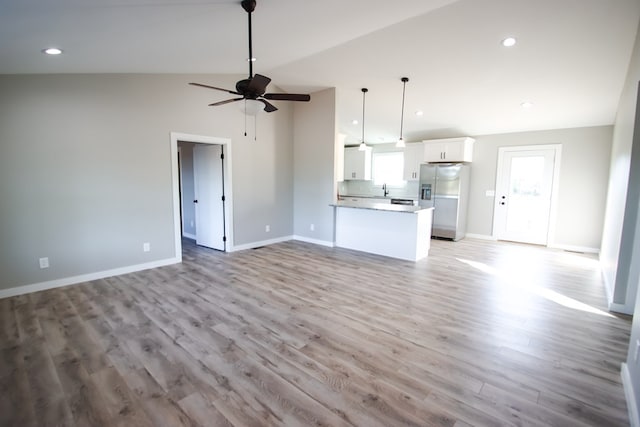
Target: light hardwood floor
{"points": [[480, 333]]}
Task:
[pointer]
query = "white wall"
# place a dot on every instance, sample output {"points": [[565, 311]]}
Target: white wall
{"points": [[615, 256], [314, 183], [582, 183], [85, 170], [620, 257]]}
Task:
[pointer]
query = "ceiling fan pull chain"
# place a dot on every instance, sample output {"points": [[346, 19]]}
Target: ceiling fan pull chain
{"points": [[255, 127], [245, 117]]}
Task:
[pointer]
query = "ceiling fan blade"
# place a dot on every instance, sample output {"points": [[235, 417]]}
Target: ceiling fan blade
{"points": [[258, 84], [268, 107], [287, 97], [225, 102], [216, 88]]}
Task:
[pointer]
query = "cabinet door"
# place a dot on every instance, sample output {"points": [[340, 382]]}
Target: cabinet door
{"points": [[413, 157], [449, 150], [357, 164], [434, 152]]}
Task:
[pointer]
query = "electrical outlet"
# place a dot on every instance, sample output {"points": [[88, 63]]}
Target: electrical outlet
{"points": [[267, 228], [44, 262], [146, 247], [191, 224], [312, 227], [635, 357]]}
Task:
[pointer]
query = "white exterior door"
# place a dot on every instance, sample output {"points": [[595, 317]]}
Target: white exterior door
{"points": [[524, 188], [209, 191]]}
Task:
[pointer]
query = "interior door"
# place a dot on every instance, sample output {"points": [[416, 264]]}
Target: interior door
{"points": [[523, 195], [208, 180]]}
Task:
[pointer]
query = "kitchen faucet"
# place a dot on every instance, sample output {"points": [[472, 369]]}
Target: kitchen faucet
{"points": [[384, 189]]}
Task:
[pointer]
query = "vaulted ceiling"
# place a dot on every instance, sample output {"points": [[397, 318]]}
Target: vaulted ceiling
{"points": [[570, 59]]}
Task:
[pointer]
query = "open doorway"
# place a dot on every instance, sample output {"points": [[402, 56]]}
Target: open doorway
{"points": [[202, 190]]}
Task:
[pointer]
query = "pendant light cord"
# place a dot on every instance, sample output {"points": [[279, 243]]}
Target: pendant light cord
{"points": [[404, 86], [364, 92]]}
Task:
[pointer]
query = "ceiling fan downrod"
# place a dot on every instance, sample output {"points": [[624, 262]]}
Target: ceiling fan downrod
{"points": [[249, 6]]}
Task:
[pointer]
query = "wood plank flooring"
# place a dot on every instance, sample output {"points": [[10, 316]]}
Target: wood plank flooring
{"points": [[293, 334]]}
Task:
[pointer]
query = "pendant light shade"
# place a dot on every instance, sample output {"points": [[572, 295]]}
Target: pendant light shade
{"points": [[363, 145], [400, 143]]}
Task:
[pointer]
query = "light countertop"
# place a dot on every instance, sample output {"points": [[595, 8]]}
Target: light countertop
{"points": [[366, 204]]}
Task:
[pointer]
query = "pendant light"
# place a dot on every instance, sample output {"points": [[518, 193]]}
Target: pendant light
{"points": [[363, 145], [400, 143]]}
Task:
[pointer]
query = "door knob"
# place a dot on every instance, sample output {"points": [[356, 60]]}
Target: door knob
{"points": [[504, 197], [502, 203]]}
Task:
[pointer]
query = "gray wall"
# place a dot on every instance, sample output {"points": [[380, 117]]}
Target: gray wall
{"points": [[314, 166], [188, 191], [582, 189], [615, 256], [85, 169]]}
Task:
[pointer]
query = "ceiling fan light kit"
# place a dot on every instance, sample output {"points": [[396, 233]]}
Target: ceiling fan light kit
{"points": [[252, 89]]}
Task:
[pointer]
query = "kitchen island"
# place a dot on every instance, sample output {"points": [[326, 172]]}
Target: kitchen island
{"points": [[397, 231]]}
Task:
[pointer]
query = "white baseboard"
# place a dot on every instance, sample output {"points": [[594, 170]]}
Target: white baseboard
{"points": [[66, 281], [314, 241], [260, 243], [630, 395], [620, 308], [189, 236], [480, 236], [572, 248]]}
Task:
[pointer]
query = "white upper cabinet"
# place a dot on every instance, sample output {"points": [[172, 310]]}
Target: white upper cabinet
{"points": [[357, 164], [413, 158], [448, 150]]}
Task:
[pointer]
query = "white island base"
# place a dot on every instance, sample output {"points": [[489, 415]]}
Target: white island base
{"points": [[394, 231]]}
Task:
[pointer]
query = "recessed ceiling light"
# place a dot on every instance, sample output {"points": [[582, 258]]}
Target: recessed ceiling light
{"points": [[526, 104], [52, 51], [419, 113], [508, 42], [354, 122]]}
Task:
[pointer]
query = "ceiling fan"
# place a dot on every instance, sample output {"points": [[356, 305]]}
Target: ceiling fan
{"points": [[255, 86]]}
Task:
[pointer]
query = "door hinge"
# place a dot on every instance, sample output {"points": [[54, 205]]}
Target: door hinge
{"points": [[222, 156], [224, 238], [223, 198]]}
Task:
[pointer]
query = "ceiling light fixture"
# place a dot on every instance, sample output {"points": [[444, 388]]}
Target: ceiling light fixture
{"points": [[52, 51], [526, 104], [400, 143], [363, 145], [508, 42], [419, 113], [251, 107], [354, 121]]}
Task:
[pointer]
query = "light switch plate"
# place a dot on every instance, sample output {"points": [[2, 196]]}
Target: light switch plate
{"points": [[44, 262]]}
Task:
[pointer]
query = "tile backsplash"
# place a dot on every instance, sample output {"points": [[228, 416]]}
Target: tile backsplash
{"points": [[407, 190]]}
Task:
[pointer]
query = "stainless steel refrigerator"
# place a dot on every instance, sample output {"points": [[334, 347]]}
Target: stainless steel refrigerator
{"points": [[445, 187]]}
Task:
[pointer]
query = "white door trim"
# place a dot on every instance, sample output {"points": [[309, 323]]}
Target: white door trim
{"points": [[228, 206], [553, 210]]}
